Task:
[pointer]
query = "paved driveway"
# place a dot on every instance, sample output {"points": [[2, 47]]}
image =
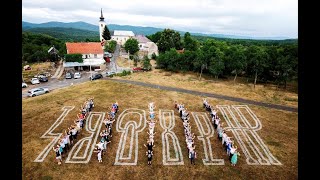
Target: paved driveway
{"points": [[55, 83]]}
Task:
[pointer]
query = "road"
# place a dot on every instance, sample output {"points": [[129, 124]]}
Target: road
{"points": [[204, 94], [113, 65]]}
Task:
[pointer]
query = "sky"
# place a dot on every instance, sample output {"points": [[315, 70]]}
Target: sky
{"points": [[255, 18]]}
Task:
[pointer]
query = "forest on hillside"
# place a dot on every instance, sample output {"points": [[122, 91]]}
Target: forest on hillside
{"points": [[262, 61], [67, 34], [35, 47]]}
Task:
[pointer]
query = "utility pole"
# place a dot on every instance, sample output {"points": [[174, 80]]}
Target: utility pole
{"points": [[90, 70]]}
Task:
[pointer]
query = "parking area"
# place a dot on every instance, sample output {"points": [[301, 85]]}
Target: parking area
{"points": [[55, 83]]}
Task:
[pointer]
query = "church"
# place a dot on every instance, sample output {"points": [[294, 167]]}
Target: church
{"points": [[93, 52]]}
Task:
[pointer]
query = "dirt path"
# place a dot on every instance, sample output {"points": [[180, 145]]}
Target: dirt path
{"points": [[218, 96], [58, 72]]}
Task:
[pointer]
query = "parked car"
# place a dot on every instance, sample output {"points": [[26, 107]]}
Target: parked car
{"points": [[40, 75], [96, 76], [68, 75], [110, 73], [37, 91], [146, 69], [135, 69], [24, 85], [77, 75], [35, 81], [107, 54], [43, 78], [26, 67]]}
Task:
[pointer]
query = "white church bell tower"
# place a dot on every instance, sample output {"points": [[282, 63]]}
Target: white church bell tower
{"points": [[102, 24]]}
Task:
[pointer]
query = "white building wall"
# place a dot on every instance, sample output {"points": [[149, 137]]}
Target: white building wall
{"points": [[120, 39], [91, 56], [102, 24]]}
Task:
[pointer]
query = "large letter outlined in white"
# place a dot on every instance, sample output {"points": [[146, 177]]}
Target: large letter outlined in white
{"points": [[86, 141], [169, 134], [206, 132], [50, 134], [246, 135], [131, 129]]}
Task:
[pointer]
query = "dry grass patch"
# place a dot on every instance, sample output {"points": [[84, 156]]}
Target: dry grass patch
{"points": [[279, 132], [229, 88], [37, 68]]}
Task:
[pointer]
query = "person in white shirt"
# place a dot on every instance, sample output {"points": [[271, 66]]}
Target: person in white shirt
{"points": [[99, 154], [224, 137]]}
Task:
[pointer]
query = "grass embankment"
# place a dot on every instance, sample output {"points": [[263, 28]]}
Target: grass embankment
{"points": [[191, 81]]}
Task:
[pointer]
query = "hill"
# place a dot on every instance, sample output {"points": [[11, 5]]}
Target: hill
{"points": [[135, 29], [66, 34]]}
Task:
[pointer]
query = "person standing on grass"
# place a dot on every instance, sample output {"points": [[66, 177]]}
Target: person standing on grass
{"points": [[232, 151], [152, 114], [149, 154], [192, 156], [149, 145], [99, 154], [234, 158], [58, 155], [175, 105]]}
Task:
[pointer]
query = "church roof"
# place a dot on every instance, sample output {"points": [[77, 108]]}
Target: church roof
{"points": [[84, 48], [142, 39], [123, 33]]}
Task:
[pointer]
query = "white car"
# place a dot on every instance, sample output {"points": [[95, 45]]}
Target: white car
{"points": [[35, 81], [24, 85], [110, 73], [77, 75], [37, 91]]}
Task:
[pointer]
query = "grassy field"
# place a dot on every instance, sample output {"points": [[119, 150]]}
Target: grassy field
{"points": [[191, 81], [279, 132]]}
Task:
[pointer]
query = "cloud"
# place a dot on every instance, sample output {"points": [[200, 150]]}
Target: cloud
{"points": [[238, 17]]}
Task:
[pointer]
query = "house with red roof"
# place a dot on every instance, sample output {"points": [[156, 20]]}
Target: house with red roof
{"points": [[92, 54]]}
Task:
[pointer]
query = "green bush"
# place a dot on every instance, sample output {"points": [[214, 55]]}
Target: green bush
{"points": [[73, 58], [124, 73]]}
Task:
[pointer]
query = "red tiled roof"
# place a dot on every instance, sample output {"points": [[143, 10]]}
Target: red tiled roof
{"points": [[84, 48]]}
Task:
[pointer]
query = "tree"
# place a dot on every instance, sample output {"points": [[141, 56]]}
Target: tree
{"points": [[216, 64], [235, 59], [169, 60], [287, 62], [146, 62], [155, 37], [132, 46], [110, 46], [257, 57], [39, 56], [135, 60], [106, 33], [169, 39], [189, 43]]}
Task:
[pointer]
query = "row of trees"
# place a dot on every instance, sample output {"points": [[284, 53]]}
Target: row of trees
{"points": [[277, 63]]}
